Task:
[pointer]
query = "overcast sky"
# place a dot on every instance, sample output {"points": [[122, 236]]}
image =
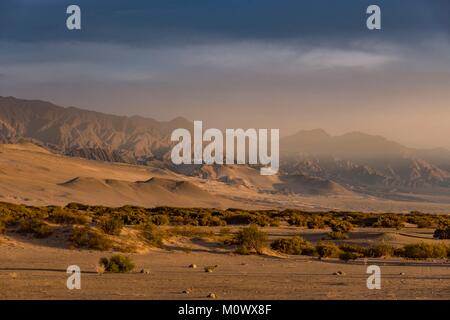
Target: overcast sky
{"points": [[240, 63]]}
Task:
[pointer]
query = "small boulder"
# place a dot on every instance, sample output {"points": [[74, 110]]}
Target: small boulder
{"points": [[145, 271]]}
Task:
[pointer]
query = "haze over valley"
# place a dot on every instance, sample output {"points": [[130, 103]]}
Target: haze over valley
{"points": [[127, 162]]}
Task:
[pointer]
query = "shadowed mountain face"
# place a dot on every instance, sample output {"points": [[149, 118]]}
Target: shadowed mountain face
{"points": [[363, 160], [355, 160], [86, 134]]}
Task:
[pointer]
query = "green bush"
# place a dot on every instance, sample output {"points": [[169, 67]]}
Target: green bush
{"points": [[425, 251], [153, 234], [327, 249], [295, 245], [251, 239], [110, 225], [36, 227], [117, 263], [87, 237]]}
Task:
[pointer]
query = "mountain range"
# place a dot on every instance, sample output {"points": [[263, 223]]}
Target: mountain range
{"points": [[356, 161]]}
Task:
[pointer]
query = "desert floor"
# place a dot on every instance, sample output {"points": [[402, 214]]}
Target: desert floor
{"points": [[31, 269]]}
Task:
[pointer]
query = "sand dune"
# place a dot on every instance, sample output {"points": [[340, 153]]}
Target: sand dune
{"points": [[153, 192], [310, 185], [31, 175]]}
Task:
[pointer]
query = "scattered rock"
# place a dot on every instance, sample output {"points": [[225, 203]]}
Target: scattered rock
{"points": [[339, 273], [13, 275], [193, 266], [210, 268], [402, 273], [145, 271], [187, 291], [212, 295]]}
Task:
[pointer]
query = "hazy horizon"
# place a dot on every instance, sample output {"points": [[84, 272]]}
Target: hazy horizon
{"points": [[286, 65]]}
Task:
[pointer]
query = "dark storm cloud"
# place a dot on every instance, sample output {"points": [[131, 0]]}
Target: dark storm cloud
{"points": [[152, 22]]}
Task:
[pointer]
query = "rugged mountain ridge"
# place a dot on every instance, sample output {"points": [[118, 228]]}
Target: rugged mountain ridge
{"points": [[362, 160], [355, 160], [83, 133]]}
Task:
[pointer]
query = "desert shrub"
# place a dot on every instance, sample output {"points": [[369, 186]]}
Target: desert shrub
{"points": [[399, 252], [346, 255], [389, 221], [236, 218], [36, 227], [2, 227], [66, 216], [251, 239], [211, 221], [191, 232], [240, 217], [337, 235], [294, 245], [425, 251], [327, 249], [297, 220], [442, 231], [225, 231], [131, 215], [177, 221], [110, 225], [77, 206], [117, 263], [382, 250], [159, 219], [316, 222], [340, 226], [345, 247], [153, 234], [86, 237], [422, 221]]}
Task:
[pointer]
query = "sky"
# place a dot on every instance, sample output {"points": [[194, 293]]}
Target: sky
{"points": [[285, 64]]}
